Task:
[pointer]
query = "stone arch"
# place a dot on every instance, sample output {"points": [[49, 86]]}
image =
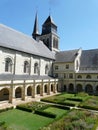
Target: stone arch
{"points": [[18, 92], [4, 94], [79, 88], [71, 87], [38, 89], [45, 88], [89, 89], [29, 91]]}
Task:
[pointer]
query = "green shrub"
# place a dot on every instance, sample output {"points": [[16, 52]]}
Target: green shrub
{"points": [[47, 114], [75, 99], [62, 107], [23, 108], [5, 109]]}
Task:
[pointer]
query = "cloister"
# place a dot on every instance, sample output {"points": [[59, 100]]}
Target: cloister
{"points": [[14, 92], [88, 88]]}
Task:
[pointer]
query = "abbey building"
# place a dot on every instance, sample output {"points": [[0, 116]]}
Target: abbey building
{"points": [[34, 66]]}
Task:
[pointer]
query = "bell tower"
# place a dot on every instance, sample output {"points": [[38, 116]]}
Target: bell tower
{"points": [[49, 35]]}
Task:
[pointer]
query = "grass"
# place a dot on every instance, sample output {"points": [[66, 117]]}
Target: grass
{"points": [[20, 120], [57, 111], [67, 98]]}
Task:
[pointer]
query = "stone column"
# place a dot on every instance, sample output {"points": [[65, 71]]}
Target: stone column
{"points": [[11, 93], [33, 90], [48, 89], [41, 89], [23, 91]]}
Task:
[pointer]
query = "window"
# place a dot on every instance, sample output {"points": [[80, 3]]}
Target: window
{"points": [[36, 68], [26, 67], [46, 69], [56, 75], [79, 77], [88, 77], [8, 65], [71, 76], [64, 76], [67, 66], [56, 67]]}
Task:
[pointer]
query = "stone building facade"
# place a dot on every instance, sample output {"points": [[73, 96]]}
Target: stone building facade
{"points": [[34, 66]]}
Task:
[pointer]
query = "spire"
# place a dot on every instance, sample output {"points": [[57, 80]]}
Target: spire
{"points": [[35, 30]]}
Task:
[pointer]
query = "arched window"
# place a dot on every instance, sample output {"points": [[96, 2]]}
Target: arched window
{"points": [[36, 68], [26, 67], [88, 77], [46, 69], [79, 77], [8, 65]]}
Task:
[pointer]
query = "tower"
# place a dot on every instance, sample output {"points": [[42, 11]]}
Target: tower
{"points": [[49, 34], [35, 33]]}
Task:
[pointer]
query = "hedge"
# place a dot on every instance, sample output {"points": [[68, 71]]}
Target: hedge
{"points": [[67, 103], [61, 107], [75, 99], [89, 107], [47, 114], [6, 109], [24, 108]]}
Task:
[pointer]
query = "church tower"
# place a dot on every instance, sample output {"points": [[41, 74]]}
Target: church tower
{"points": [[35, 33], [49, 35]]}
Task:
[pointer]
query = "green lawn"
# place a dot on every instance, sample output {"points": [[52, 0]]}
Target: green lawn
{"points": [[57, 111], [20, 120], [67, 98]]}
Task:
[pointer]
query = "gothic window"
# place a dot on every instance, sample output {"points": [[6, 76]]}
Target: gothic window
{"points": [[46, 69], [36, 68], [8, 65], [26, 67]]}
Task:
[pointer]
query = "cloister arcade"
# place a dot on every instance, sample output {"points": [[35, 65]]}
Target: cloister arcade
{"points": [[22, 92], [88, 88]]}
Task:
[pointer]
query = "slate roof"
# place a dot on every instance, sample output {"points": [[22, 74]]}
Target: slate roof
{"points": [[49, 20], [13, 39], [6, 77], [66, 56], [89, 58]]}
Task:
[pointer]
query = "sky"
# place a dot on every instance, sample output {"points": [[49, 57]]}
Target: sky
{"points": [[77, 20]]}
